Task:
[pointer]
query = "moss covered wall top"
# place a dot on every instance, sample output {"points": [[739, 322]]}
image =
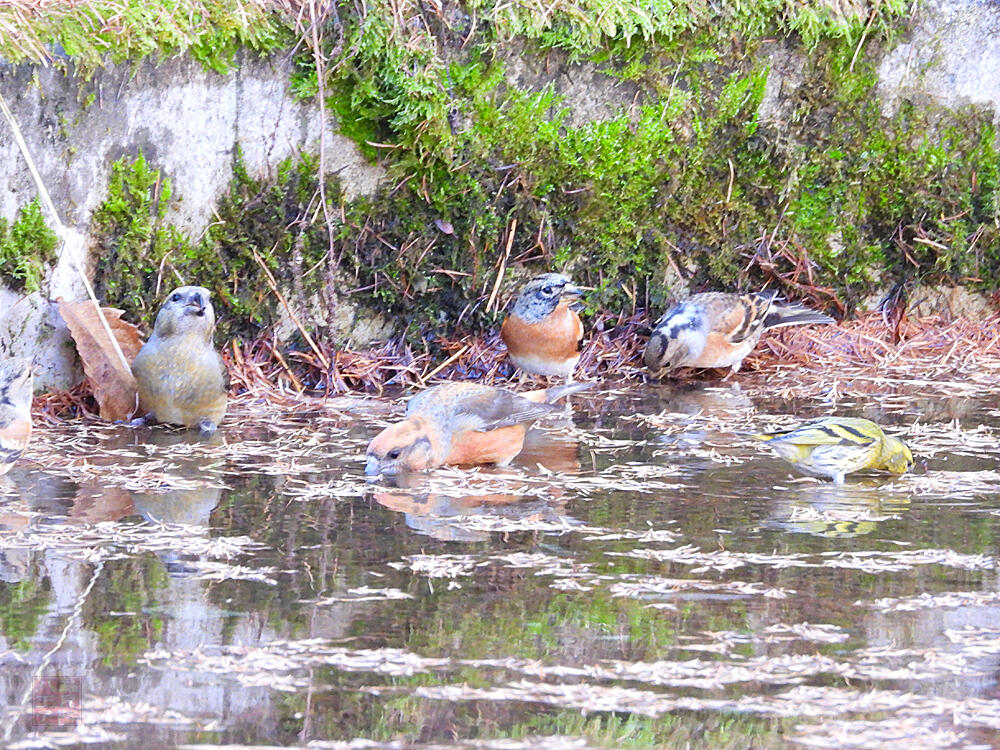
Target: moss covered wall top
{"points": [[686, 182], [726, 145]]}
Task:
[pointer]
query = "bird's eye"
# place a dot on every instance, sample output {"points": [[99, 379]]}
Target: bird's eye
{"points": [[175, 297], [547, 291], [393, 454]]}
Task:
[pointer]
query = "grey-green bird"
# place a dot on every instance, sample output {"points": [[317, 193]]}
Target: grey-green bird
{"points": [[181, 378]]}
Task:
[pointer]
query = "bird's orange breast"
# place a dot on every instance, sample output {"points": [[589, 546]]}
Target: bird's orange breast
{"points": [[493, 447], [548, 347], [719, 351], [557, 336]]}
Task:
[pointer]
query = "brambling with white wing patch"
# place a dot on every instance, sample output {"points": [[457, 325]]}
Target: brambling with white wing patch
{"points": [[719, 329]]}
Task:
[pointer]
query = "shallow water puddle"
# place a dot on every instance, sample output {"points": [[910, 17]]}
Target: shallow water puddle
{"points": [[643, 575]]}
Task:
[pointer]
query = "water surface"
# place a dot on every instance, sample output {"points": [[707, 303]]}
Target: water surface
{"points": [[643, 575]]}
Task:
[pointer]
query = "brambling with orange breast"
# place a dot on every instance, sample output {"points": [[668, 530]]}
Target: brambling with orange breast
{"points": [[543, 333], [719, 329], [461, 424], [181, 378], [16, 383]]}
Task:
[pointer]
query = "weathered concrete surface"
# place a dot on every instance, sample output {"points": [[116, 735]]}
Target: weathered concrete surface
{"points": [[588, 94], [952, 57], [186, 121]]}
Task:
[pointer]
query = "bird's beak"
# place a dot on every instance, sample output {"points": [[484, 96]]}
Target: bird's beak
{"points": [[373, 467], [661, 373], [573, 293], [197, 305]]}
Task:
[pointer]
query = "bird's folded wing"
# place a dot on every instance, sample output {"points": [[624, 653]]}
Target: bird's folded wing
{"points": [[793, 314], [740, 318], [824, 434], [493, 410]]}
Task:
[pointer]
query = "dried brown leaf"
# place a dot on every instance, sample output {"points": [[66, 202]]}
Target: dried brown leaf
{"points": [[112, 382]]}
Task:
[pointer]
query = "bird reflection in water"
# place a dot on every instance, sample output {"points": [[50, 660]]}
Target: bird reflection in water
{"points": [[835, 511], [440, 516]]}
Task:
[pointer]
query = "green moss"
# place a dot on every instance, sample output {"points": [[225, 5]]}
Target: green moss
{"points": [[275, 223], [259, 223], [92, 34], [25, 247], [687, 175], [133, 239]]}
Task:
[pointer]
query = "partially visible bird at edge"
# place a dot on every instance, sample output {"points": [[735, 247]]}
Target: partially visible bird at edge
{"points": [[16, 384]]}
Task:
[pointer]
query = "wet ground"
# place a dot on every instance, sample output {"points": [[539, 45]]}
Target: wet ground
{"points": [[642, 576]]}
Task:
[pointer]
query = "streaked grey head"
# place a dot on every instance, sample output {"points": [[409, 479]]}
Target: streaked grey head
{"points": [[187, 309], [16, 382], [540, 296]]}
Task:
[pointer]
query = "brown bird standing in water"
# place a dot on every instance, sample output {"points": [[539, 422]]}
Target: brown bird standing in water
{"points": [[182, 379], [15, 410], [463, 424]]}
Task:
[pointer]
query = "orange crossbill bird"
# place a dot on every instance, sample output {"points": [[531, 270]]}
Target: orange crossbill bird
{"points": [[16, 383], [182, 380], [719, 329], [463, 424], [543, 332]]}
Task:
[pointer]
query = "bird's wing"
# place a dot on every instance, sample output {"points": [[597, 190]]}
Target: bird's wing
{"points": [[738, 317], [225, 372], [793, 314], [493, 409], [841, 432], [553, 394]]}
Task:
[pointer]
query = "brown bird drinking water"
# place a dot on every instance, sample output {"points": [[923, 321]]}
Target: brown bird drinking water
{"points": [[463, 424]]}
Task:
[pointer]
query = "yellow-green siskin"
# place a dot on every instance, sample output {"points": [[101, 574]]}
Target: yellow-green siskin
{"points": [[835, 446]]}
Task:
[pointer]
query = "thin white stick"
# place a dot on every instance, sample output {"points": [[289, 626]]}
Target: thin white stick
{"points": [[60, 226]]}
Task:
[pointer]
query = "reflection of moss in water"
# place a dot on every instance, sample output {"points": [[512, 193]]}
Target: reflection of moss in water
{"points": [[344, 713], [131, 586], [541, 623], [22, 606]]}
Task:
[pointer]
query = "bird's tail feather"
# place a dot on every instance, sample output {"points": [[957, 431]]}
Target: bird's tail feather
{"points": [[793, 315], [551, 395]]}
